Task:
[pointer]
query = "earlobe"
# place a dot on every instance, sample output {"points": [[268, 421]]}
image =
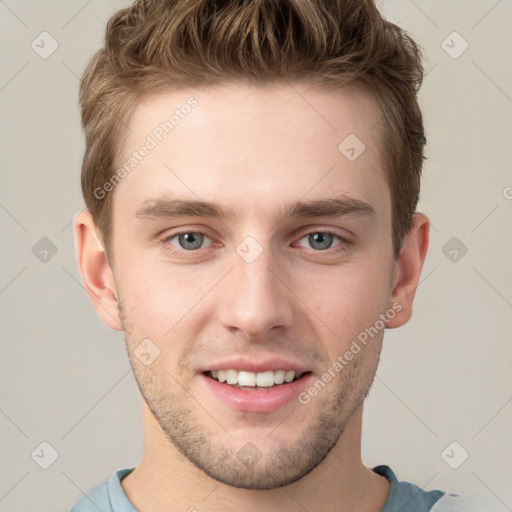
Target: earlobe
{"points": [[95, 270], [407, 270]]}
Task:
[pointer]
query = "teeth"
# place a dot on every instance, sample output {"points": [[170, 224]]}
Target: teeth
{"points": [[252, 379], [265, 379], [279, 376], [289, 376], [231, 376], [245, 378]]}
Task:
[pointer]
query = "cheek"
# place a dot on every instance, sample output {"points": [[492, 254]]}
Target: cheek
{"points": [[347, 299], [157, 299]]}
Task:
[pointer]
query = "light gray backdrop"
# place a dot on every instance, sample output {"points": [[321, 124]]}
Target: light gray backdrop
{"points": [[444, 378]]}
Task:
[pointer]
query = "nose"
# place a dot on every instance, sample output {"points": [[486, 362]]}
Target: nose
{"points": [[254, 298]]}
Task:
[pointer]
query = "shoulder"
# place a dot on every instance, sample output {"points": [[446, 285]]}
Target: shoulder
{"points": [[107, 497], [457, 503], [96, 498], [405, 496]]}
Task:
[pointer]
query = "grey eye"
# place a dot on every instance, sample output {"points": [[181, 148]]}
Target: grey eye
{"points": [[319, 240], [190, 241]]}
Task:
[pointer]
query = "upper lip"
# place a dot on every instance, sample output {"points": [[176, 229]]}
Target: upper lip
{"points": [[252, 365]]}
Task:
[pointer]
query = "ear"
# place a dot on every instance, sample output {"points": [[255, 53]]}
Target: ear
{"points": [[95, 270], [407, 270]]}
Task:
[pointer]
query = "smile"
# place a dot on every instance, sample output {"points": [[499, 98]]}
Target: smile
{"points": [[246, 379], [255, 392]]}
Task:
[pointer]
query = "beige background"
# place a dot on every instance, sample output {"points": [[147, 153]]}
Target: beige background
{"points": [[444, 377]]}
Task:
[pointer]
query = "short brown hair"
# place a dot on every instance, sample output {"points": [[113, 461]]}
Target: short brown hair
{"points": [[156, 45]]}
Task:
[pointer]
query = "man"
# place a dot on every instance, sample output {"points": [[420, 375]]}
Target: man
{"points": [[251, 177]]}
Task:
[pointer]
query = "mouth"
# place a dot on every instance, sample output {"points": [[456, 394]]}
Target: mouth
{"points": [[264, 380], [256, 388]]}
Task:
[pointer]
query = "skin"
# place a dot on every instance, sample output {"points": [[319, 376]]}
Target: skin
{"points": [[252, 149]]}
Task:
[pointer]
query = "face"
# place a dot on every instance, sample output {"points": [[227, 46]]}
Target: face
{"points": [[247, 246]]}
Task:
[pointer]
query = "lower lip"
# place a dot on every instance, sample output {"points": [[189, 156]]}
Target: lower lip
{"points": [[257, 400]]}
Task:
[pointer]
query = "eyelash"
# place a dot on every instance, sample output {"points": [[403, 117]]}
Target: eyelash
{"points": [[344, 242]]}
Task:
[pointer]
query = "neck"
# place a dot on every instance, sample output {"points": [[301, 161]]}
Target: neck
{"points": [[166, 481]]}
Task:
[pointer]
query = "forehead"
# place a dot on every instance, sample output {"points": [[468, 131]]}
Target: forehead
{"points": [[254, 147]]}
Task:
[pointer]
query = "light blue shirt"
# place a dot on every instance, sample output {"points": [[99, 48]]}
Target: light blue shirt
{"points": [[403, 496]]}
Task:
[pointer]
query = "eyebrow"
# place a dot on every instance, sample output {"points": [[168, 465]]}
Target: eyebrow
{"points": [[163, 208]]}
